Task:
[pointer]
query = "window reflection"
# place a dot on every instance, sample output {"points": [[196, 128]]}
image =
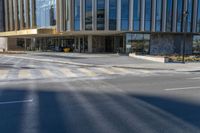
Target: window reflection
{"points": [[100, 14], [169, 16], [158, 14], [147, 15], [88, 14], [112, 14], [190, 5], [124, 14], [198, 17], [76, 15], [136, 17], [179, 15], [45, 13]]}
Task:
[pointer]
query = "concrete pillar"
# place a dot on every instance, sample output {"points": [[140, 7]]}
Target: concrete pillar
{"points": [[3, 44], [153, 14], [6, 15], [142, 17], [106, 14], [119, 15], [11, 14], [166, 44], [90, 49], [33, 14], [27, 9], [174, 22], [194, 19], [58, 15], [131, 15], [164, 11], [16, 14], [21, 15]]}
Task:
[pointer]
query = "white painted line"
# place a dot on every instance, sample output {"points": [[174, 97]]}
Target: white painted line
{"points": [[184, 88], [87, 72], [47, 73], [106, 71], [15, 102], [68, 72], [23, 74], [3, 74], [196, 78]]}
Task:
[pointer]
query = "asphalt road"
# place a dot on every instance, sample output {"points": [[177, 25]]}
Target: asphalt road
{"points": [[140, 102]]}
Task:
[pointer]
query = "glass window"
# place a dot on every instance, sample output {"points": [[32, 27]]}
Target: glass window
{"points": [[190, 5], [147, 15], [112, 14], [1, 16], [88, 14], [136, 15], [198, 17], [76, 15], [158, 15], [100, 14], [179, 15], [124, 14], [169, 16], [45, 13]]}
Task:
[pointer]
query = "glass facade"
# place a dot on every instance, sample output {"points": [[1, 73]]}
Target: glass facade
{"points": [[148, 15], [198, 17], [45, 13], [100, 14], [189, 21], [76, 15], [112, 14], [169, 15], [158, 15], [124, 14], [179, 15], [88, 14], [136, 15]]}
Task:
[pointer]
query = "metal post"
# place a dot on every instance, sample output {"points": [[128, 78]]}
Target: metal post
{"points": [[185, 14]]}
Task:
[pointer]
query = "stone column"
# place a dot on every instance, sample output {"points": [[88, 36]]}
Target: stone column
{"points": [[153, 14], [3, 44], [90, 49], [131, 15], [119, 15], [6, 15]]}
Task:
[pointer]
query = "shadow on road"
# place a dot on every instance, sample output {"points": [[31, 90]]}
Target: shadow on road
{"points": [[95, 112]]}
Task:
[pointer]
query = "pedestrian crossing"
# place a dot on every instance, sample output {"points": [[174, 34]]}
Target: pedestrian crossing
{"points": [[65, 73]]}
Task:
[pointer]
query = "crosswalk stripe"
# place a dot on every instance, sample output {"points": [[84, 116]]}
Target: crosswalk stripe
{"points": [[68, 72], [87, 72], [104, 70], [24, 74], [122, 70], [3, 74], [47, 73]]}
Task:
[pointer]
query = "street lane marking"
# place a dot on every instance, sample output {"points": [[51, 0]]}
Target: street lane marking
{"points": [[87, 72], [15, 102], [47, 73], [123, 70], [196, 78], [184, 88], [3, 74], [68, 72], [24, 74], [104, 70]]}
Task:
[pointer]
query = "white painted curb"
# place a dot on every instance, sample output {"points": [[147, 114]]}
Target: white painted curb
{"points": [[150, 58]]}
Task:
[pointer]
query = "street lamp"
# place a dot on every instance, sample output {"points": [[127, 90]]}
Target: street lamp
{"points": [[185, 15]]}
